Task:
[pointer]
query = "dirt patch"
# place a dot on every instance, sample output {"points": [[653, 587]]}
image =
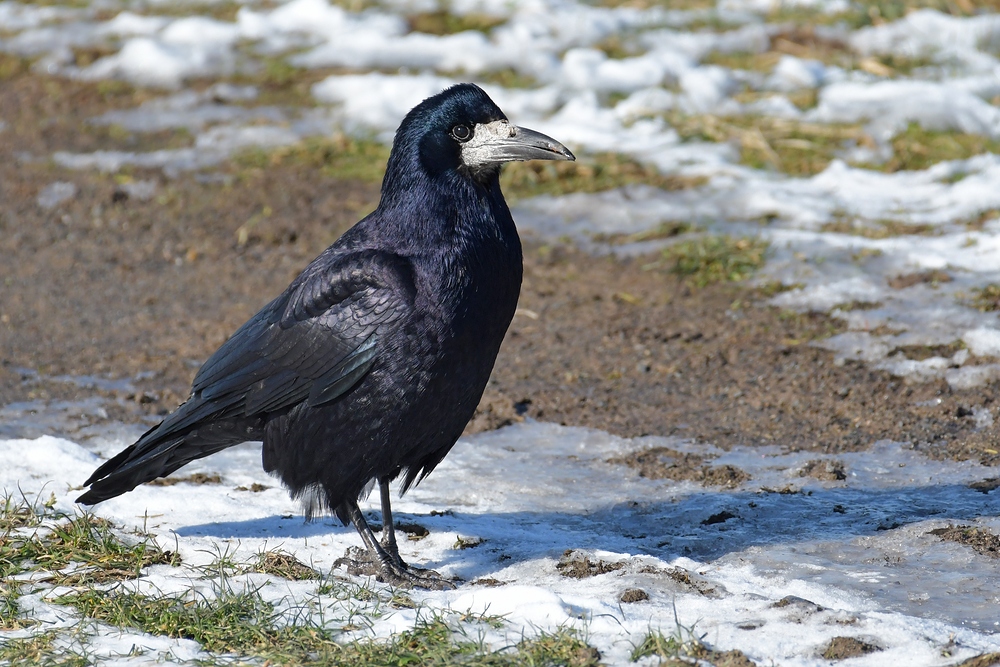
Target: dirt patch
{"points": [[577, 565], [733, 658], [933, 277], [985, 660], [630, 595], [688, 580], [281, 564], [986, 485], [982, 541], [842, 648], [146, 288], [799, 610], [413, 531], [666, 463], [196, 478], [824, 470], [467, 542], [253, 488], [489, 582]]}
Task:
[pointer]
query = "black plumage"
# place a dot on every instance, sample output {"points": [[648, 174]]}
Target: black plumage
{"points": [[372, 362]]}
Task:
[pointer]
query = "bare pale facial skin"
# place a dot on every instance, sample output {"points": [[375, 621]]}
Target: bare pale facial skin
{"points": [[497, 142], [487, 139]]}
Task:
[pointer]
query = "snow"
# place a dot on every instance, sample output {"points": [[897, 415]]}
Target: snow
{"points": [[856, 551], [535, 490], [56, 193]]}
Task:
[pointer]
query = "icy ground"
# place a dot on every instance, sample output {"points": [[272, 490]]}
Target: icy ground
{"points": [[856, 555], [857, 550]]}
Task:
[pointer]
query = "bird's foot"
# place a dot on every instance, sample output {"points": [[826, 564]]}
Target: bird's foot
{"points": [[361, 562]]}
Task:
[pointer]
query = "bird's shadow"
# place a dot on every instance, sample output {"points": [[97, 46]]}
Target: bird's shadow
{"points": [[703, 526], [278, 525]]}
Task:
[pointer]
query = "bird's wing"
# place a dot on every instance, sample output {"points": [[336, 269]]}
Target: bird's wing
{"points": [[314, 342]]}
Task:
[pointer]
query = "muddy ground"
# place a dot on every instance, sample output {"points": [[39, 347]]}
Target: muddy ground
{"points": [[112, 286]]}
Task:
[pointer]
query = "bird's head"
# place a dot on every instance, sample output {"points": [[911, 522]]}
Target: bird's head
{"points": [[462, 130]]}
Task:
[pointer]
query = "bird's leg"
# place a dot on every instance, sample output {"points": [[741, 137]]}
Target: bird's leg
{"points": [[388, 528], [391, 571]]}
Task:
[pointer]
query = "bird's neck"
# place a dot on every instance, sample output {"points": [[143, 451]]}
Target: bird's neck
{"points": [[451, 211]]}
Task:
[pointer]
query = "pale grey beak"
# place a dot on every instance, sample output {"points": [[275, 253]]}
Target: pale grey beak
{"points": [[498, 142], [525, 144]]}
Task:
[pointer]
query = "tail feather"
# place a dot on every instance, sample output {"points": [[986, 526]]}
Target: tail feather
{"points": [[162, 450]]}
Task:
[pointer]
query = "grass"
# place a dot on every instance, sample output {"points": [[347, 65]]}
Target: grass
{"points": [[233, 622], [594, 173], [55, 541], [805, 149], [716, 258], [443, 22], [244, 624], [667, 4], [285, 565], [757, 62], [11, 66], [918, 148], [340, 157], [344, 157], [877, 12], [40, 651], [10, 611], [507, 78], [664, 230], [986, 299], [878, 229], [788, 146], [83, 539], [683, 648]]}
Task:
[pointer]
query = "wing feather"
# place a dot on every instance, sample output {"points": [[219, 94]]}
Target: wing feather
{"points": [[314, 342]]}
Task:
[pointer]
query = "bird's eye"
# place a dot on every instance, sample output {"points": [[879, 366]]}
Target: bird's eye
{"points": [[461, 132]]}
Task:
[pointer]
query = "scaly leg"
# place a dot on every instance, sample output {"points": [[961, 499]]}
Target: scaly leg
{"points": [[388, 527], [391, 570]]}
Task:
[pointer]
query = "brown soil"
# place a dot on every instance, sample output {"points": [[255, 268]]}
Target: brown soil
{"points": [[842, 648], [690, 582], [197, 478], [577, 565], [113, 287], [665, 463], [828, 471], [630, 595], [982, 541]]}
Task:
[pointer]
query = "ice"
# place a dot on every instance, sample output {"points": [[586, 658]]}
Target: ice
{"points": [[858, 550], [793, 73], [927, 32], [15, 16], [161, 63], [983, 342], [891, 105], [56, 193]]}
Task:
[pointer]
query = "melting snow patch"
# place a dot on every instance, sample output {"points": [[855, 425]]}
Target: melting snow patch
{"points": [[56, 193], [783, 574]]}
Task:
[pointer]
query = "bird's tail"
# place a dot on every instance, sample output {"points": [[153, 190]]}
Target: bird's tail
{"points": [[162, 450]]}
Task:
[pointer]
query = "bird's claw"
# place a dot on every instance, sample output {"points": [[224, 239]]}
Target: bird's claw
{"points": [[412, 577], [395, 572]]}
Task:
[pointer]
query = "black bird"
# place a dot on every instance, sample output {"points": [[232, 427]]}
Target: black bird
{"points": [[372, 362]]}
